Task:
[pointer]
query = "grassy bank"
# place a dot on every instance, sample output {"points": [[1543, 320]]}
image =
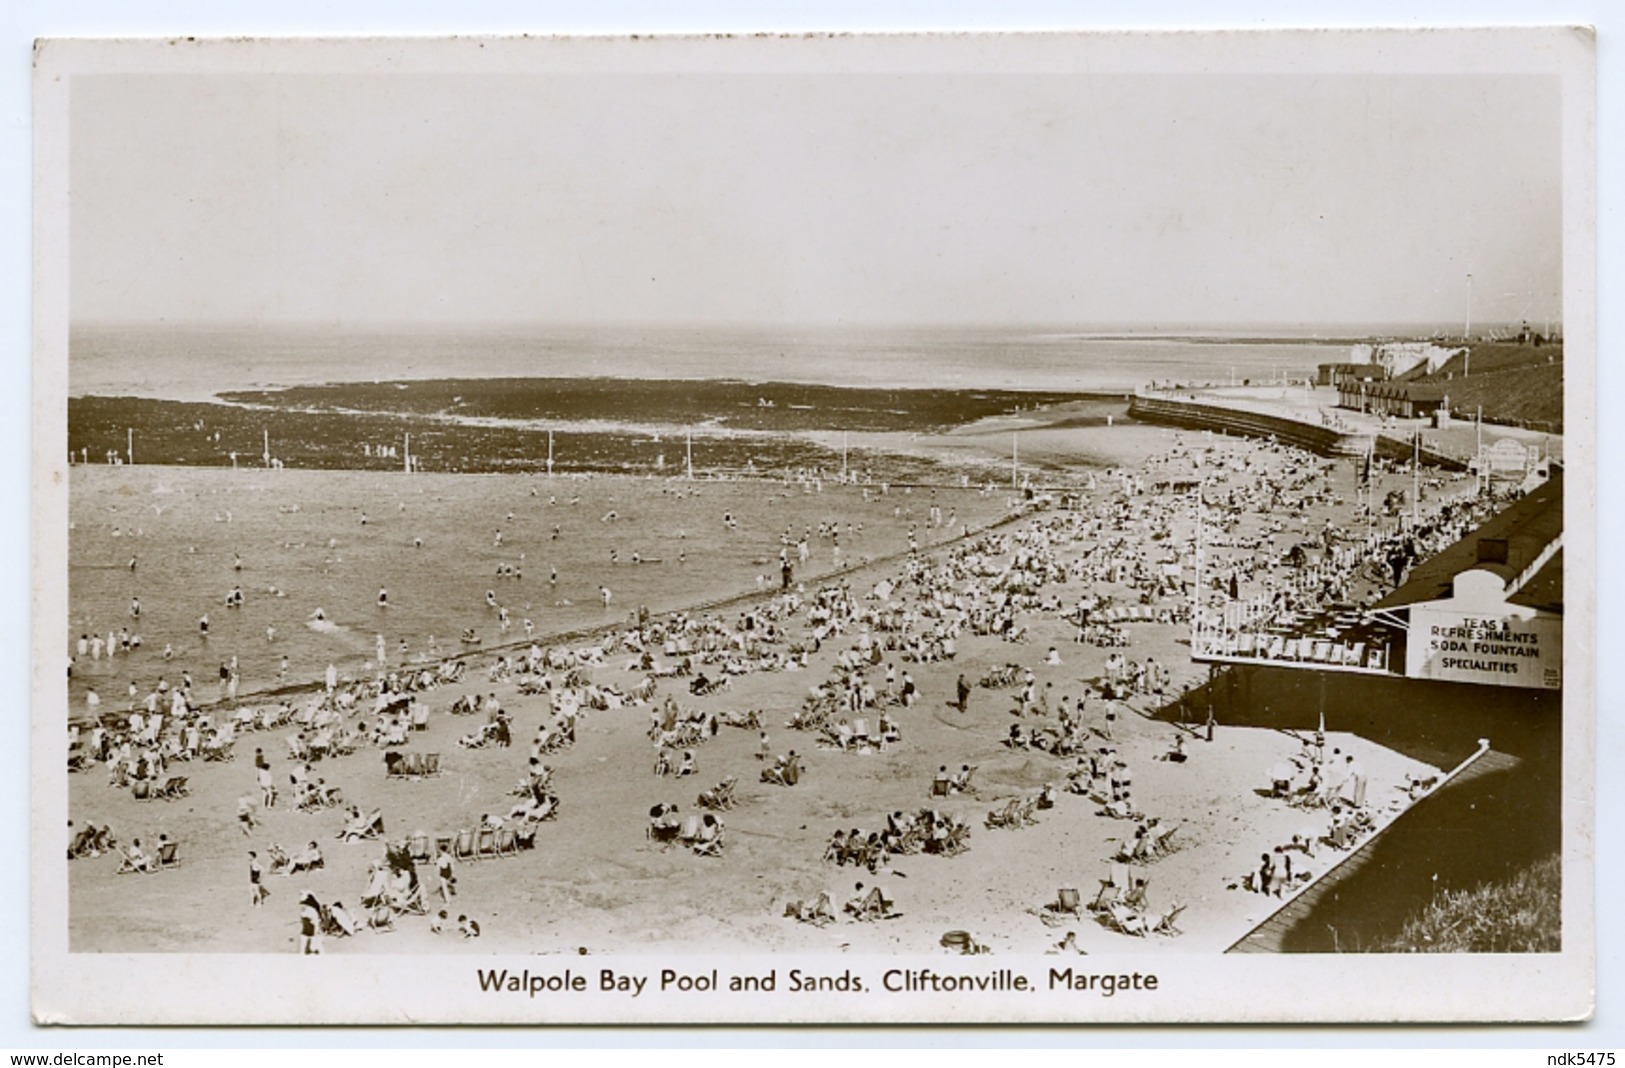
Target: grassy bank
{"points": [[1521, 915], [1516, 385]]}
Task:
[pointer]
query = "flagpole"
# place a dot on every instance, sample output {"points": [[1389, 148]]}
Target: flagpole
{"points": [[1196, 586], [1416, 479]]}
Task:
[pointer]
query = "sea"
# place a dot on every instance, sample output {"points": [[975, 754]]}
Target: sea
{"points": [[196, 362]]}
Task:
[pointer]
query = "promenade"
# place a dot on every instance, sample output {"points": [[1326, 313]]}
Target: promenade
{"points": [[1315, 407]]}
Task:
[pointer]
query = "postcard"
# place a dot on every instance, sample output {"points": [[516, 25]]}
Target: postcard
{"points": [[987, 528]]}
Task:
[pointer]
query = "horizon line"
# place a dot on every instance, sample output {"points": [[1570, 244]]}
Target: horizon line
{"points": [[1328, 329]]}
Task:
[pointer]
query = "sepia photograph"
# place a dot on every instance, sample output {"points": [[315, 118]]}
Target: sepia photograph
{"points": [[819, 528]]}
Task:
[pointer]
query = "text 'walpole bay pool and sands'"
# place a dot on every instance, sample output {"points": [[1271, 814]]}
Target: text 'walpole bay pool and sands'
{"points": [[671, 981]]}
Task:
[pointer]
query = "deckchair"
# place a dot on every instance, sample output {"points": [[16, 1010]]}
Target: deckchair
{"points": [[1067, 899], [174, 788], [506, 842], [168, 856], [939, 786], [1119, 917], [410, 904], [1164, 924], [709, 843], [375, 824], [1112, 887], [417, 846], [127, 863], [1008, 816], [485, 842], [431, 765], [873, 906], [142, 790], [958, 840]]}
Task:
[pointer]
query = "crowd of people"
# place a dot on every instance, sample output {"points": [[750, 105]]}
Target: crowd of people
{"points": [[1134, 552]]}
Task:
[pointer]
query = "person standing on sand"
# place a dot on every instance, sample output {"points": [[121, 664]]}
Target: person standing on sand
{"points": [[604, 594], [310, 925], [963, 689], [257, 893], [445, 875], [267, 781]]}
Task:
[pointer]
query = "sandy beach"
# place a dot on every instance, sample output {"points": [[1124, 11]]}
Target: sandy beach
{"points": [[594, 881]]}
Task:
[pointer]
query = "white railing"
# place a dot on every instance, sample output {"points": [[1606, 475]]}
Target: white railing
{"points": [[1308, 650]]}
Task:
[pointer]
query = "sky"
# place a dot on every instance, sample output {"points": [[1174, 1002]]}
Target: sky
{"points": [[1100, 199]]}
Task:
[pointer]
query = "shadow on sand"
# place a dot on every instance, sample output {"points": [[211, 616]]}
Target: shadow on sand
{"points": [[1505, 814]]}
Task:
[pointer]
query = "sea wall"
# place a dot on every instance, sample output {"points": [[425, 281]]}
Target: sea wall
{"points": [[1205, 415]]}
